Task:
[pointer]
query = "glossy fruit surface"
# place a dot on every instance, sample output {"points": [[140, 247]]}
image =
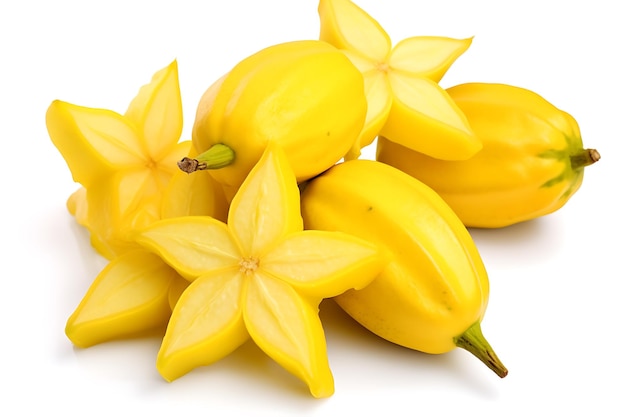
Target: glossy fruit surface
{"points": [[304, 95], [433, 293], [531, 163]]}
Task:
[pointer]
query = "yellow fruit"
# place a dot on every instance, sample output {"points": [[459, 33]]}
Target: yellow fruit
{"points": [[258, 276], [304, 95], [123, 162], [433, 293], [193, 195], [531, 163], [401, 83], [127, 298]]}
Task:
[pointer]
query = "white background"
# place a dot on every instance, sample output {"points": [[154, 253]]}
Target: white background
{"points": [[556, 315]]}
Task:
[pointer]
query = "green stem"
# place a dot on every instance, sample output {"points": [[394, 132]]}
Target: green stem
{"points": [[475, 343], [217, 156], [584, 158]]}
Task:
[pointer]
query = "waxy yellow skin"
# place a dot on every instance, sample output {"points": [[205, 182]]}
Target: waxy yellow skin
{"points": [[435, 286], [258, 276], [305, 96], [523, 170]]}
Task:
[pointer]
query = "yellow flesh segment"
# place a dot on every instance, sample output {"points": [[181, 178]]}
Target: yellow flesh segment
{"points": [[288, 330], [192, 245], [93, 142], [157, 112], [109, 134], [132, 187], [378, 94], [206, 325], [323, 264], [267, 206], [426, 97], [362, 63], [427, 56], [130, 295], [347, 26]]}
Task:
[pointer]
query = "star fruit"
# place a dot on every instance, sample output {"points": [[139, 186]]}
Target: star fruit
{"points": [[136, 291], [305, 95], [123, 162], [259, 276], [405, 102], [132, 295]]}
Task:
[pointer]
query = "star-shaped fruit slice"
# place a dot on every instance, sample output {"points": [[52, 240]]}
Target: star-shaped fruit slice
{"points": [[405, 102], [123, 162], [258, 276]]}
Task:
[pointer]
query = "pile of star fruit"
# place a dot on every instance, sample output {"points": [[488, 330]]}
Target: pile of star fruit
{"points": [[208, 288]]}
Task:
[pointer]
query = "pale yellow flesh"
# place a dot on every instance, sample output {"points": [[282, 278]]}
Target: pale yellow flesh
{"points": [[128, 297], [404, 100], [124, 162], [257, 277]]}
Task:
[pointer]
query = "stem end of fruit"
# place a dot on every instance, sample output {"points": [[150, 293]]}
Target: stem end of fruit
{"points": [[188, 165], [585, 158], [474, 342], [216, 157]]}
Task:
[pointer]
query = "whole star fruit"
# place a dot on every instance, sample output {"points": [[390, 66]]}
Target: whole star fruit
{"points": [[258, 276], [532, 162], [405, 102], [123, 162], [304, 95], [433, 293]]}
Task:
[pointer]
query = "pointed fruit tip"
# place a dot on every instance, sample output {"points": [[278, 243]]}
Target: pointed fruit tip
{"points": [[475, 343]]}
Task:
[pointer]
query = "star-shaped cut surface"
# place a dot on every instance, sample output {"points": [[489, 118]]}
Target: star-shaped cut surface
{"points": [[123, 162], [133, 294], [259, 276], [405, 102]]}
